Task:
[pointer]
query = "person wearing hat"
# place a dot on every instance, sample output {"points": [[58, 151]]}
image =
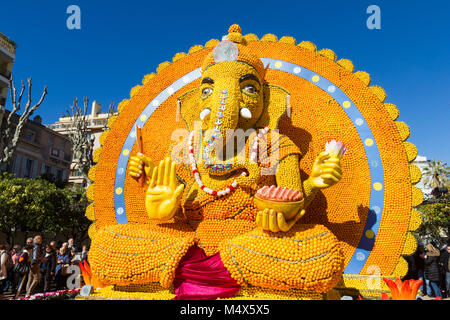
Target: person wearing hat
{"points": [[432, 273], [445, 263]]}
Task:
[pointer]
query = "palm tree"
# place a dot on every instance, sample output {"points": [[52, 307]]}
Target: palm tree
{"points": [[436, 174]]}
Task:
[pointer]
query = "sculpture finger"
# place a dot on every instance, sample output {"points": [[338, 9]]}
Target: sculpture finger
{"points": [[160, 173], [273, 221], [258, 219], [333, 172], [167, 167], [322, 157], [265, 219], [136, 164], [134, 174], [178, 191], [136, 159], [173, 177], [333, 160], [334, 166], [154, 177], [329, 179], [282, 224]]}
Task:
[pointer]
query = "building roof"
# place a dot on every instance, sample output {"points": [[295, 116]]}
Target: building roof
{"points": [[38, 124], [8, 44]]}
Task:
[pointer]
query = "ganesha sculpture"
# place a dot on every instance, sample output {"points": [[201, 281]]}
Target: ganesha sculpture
{"points": [[240, 204]]}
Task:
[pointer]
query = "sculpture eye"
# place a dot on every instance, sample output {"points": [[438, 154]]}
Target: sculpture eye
{"points": [[206, 92], [250, 89]]}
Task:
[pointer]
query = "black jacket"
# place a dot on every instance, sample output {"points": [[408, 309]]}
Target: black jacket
{"points": [[48, 266], [36, 254], [445, 260], [412, 268], [432, 269]]}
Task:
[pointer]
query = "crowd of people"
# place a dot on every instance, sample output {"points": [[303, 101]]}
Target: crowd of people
{"points": [[432, 266], [35, 267]]}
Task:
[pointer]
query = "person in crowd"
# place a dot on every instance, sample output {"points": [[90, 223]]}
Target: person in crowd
{"points": [[84, 253], [35, 269], [9, 283], [15, 253], [53, 245], [22, 263], [412, 268], [70, 244], [70, 247], [3, 267], [75, 257], [48, 267], [28, 242], [62, 262], [432, 274], [445, 264], [419, 258]]}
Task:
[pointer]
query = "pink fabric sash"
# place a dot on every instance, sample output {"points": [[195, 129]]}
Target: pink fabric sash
{"points": [[199, 277]]}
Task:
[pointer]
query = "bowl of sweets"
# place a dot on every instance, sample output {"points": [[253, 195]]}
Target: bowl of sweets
{"points": [[280, 199]]}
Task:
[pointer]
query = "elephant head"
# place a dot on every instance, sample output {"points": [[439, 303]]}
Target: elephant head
{"points": [[232, 95]]}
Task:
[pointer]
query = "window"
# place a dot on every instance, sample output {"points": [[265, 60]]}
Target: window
{"points": [[59, 173], [30, 136], [55, 152], [28, 168], [51, 141]]}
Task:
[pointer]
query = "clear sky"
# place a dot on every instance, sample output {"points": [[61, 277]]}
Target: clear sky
{"points": [[121, 41]]}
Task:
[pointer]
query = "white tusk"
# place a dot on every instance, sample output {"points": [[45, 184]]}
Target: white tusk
{"points": [[204, 113], [246, 113]]}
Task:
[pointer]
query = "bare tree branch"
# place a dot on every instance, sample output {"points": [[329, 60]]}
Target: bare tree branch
{"points": [[79, 135], [10, 136]]}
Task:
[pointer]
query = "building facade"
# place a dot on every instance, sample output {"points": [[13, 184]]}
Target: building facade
{"points": [[7, 57], [40, 151], [96, 124], [422, 163]]}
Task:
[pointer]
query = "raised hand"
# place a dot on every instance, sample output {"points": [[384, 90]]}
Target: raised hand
{"points": [[326, 171], [163, 195], [138, 163]]}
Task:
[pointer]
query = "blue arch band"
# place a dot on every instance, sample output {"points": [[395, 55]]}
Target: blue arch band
{"points": [[371, 227]]}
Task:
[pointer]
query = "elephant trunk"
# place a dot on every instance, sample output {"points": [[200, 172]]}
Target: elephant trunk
{"points": [[223, 118]]}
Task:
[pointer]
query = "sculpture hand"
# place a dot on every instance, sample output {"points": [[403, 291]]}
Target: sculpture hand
{"points": [[163, 196], [138, 163], [270, 220], [326, 171]]}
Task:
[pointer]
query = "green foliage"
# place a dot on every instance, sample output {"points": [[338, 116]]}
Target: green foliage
{"points": [[435, 219], [39, 205], [436, 174]]}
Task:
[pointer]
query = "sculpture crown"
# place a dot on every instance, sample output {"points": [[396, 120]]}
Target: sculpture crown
{"points": [[233, 47]]}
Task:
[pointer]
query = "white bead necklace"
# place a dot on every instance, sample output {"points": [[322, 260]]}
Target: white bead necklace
{"points": [[231, 187]]}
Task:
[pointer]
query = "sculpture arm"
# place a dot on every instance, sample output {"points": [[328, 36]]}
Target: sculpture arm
{"points": [[288, 175]]}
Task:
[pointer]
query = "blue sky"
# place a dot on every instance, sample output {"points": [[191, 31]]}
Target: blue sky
{"points": [[121, 41]]}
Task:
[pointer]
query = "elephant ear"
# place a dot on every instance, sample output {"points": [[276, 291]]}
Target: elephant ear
{"points": [[190, 107], [275, 105]]}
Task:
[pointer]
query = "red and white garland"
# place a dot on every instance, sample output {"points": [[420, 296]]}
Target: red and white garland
{"points": [[227, 190]]}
